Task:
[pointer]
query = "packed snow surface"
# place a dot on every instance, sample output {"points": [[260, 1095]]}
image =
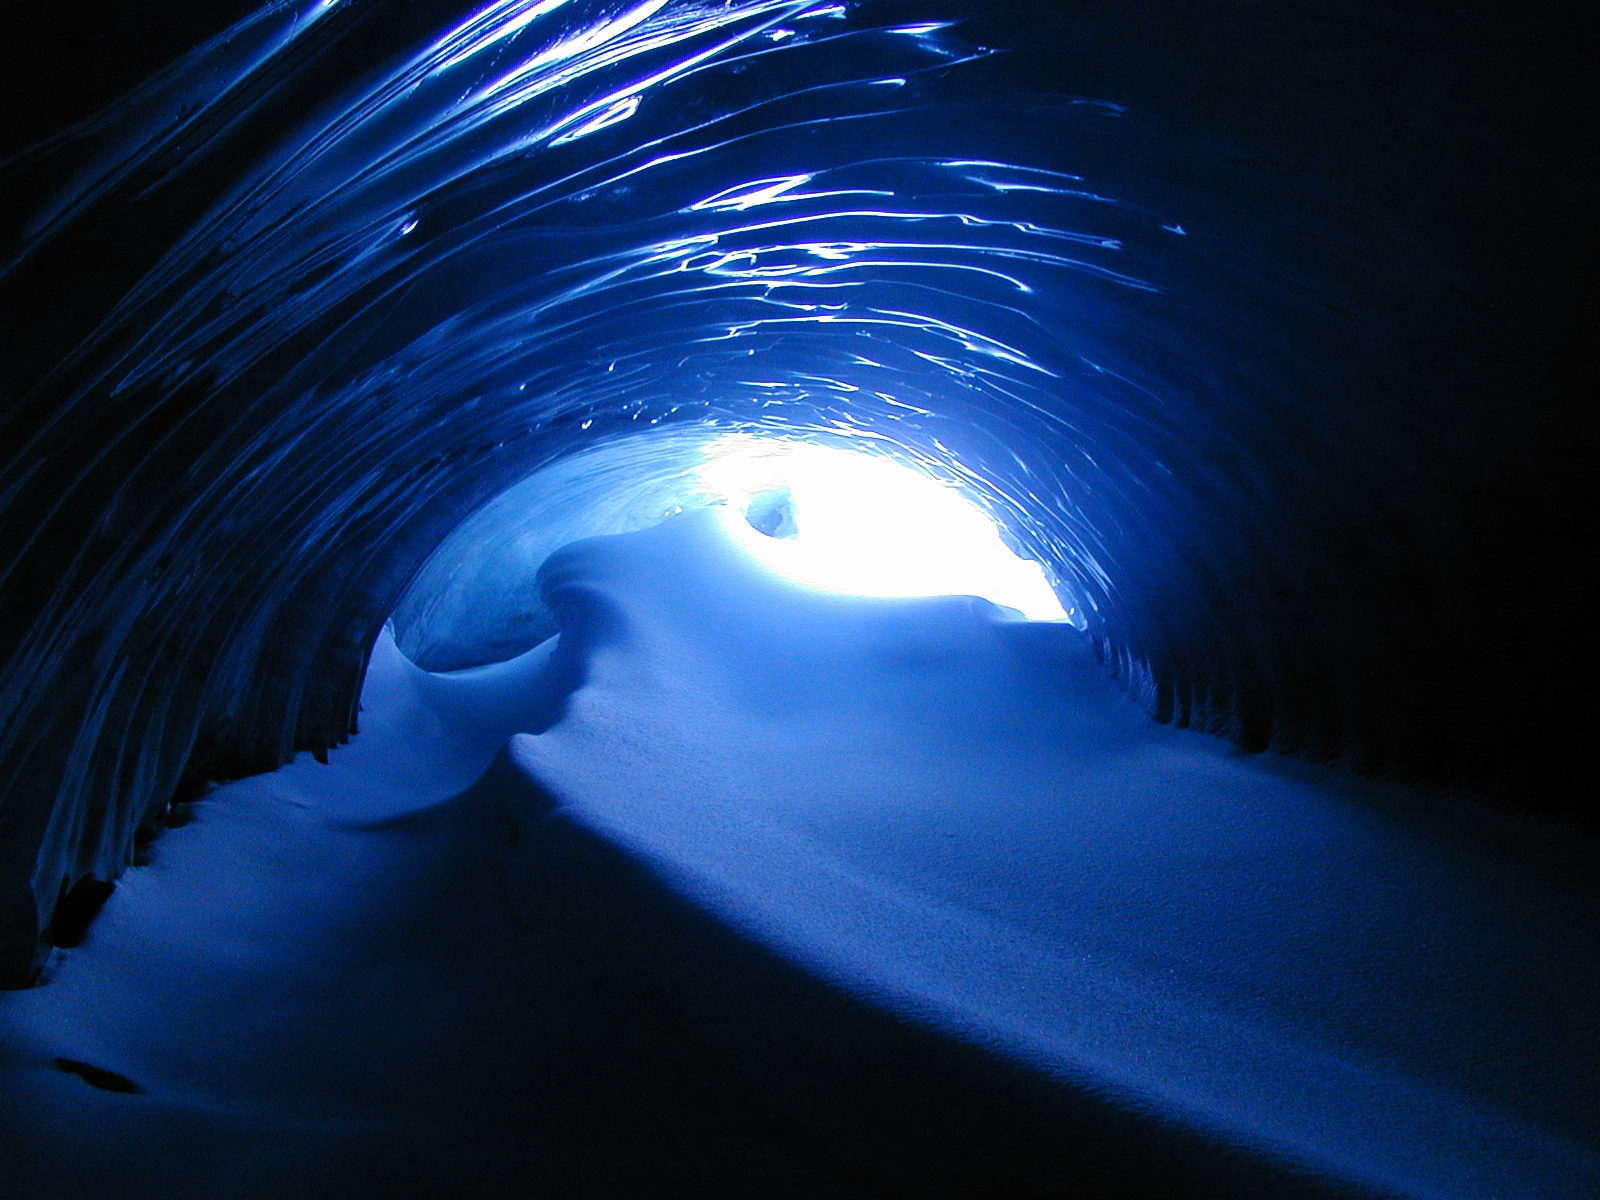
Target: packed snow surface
{"points": [[758, 890]]}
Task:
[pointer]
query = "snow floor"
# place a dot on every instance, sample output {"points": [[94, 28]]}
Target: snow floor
{"points": [[738, 889]]}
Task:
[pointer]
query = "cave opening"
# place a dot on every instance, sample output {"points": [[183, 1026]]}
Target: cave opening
{"points": [[836, 516]]}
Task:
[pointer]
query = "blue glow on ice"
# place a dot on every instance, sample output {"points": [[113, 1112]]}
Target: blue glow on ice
{"points": [[860, 523]]}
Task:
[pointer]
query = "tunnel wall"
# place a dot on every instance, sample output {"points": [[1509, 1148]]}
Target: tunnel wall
{"points": [[1296, 411]]}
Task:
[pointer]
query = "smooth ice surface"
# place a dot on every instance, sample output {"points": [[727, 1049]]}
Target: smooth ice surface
{"points": [[735, 822]]}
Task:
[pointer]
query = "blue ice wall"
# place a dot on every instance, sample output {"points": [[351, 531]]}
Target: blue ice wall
{"points": [[1249, 322]]}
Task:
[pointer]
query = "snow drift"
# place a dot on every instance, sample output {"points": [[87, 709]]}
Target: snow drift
{"points": [[759, 891]]}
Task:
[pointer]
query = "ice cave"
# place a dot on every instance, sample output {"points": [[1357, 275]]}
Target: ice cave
{"points": [[788, 599]]}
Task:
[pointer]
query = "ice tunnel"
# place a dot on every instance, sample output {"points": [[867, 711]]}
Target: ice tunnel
{"points": [[422, 426]]}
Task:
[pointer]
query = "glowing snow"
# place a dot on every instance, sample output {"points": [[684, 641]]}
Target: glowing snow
{"points": [[866, 525]]}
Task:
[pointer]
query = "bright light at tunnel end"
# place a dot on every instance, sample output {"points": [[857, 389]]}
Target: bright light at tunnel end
{"points": [[860, 523]]}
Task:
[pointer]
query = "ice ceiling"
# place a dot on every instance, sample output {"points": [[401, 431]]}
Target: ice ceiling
{"points": [[1206, 340]]}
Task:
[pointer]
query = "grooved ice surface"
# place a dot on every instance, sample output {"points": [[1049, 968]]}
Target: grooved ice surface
{"points": [[796, 894]]}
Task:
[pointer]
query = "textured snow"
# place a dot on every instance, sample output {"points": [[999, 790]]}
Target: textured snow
{"points": [[759, 890]]}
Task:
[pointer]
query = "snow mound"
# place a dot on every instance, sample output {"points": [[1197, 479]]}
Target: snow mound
{"points": [[747, 889]]}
